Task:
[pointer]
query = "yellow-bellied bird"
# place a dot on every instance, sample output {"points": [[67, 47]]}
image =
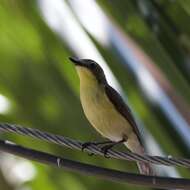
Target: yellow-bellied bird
{"points": [[106, 110]]}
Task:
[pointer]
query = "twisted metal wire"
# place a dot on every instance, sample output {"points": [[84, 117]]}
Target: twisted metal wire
{"points": [[89, 169], [74, 144]]}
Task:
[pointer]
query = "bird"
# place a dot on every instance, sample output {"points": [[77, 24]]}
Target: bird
{"points": [[107, 112]]}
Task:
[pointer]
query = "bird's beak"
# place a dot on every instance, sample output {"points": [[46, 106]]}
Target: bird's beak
{"points": [[76, 61]]}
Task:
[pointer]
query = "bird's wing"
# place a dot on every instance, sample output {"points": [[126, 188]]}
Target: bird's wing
{"points": [[122, 108]]}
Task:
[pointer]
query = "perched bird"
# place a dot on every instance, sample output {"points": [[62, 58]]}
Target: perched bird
{"points": [[106, 110]]}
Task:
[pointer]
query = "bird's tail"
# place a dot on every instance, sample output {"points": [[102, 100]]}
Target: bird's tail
{"points": [[144, 168]]}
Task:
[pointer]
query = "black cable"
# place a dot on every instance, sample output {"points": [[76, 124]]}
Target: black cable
{"points": [[87, 169]]}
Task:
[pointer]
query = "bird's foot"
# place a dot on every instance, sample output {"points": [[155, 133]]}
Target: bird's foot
{"points": [[86, 145], [105, 150]]}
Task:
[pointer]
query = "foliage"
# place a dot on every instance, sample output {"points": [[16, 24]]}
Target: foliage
{"points": [[42, 86]]}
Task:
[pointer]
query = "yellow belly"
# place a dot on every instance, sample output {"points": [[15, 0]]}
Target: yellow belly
{"points": [[103, 116]]}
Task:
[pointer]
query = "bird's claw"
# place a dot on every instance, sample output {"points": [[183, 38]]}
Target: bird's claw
{"points": [[105, 150], [85, 145]]}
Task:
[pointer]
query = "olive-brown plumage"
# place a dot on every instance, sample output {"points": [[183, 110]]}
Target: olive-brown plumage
{"points": [[106, 110]]}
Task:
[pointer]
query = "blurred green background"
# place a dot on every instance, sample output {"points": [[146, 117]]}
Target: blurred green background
{"points": [[145, 43]]}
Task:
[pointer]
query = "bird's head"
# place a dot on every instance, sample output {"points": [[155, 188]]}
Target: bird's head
{"points": [[89, 70]]}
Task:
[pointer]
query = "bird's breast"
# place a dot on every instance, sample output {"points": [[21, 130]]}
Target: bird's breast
{"points": [[102, 114]]}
